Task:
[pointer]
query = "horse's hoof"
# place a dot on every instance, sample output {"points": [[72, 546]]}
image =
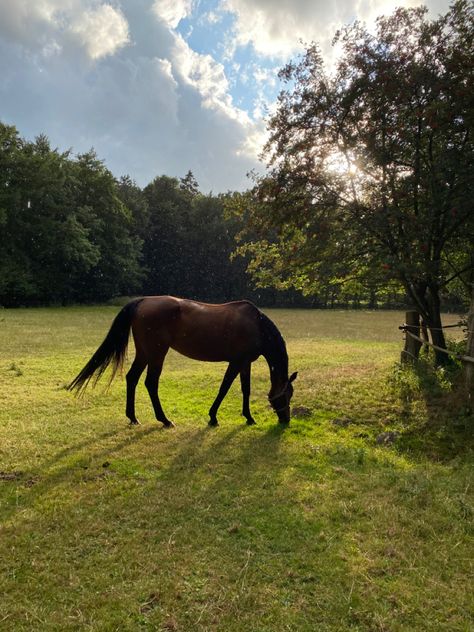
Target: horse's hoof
{"points": [[168, 424], [212, 423], [251, 422], [134, 422]]}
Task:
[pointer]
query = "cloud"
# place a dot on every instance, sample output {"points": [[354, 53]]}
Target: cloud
{"points": [[207, 76], [212, 17], [101, 30], [117, 75], [155, 106], [276, 28], [172, 11], [50, 26]]}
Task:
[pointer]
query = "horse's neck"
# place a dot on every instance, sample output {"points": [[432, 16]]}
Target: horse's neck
{"points": [[278, 377], [274, 352]]}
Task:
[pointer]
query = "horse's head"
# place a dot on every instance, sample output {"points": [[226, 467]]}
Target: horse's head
{"points": [[280, 399]]}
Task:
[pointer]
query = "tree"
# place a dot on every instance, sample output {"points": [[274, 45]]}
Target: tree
{"points": [[189, 184], [110, 227], [133, 197], [42, 237], [164, 247], [15, 272], [188, 243], [371, 168], [65, 235]]}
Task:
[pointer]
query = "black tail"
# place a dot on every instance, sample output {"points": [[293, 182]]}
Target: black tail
{"points": [[112, 350]]}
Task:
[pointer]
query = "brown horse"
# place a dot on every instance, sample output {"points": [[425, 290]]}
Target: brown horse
{"points": [[237, 333]]}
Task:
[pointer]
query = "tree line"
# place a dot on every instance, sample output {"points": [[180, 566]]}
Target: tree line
{"points": [[72, 233]]}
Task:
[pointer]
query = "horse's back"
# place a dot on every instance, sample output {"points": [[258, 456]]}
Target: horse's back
{"points": [[203, 331]]}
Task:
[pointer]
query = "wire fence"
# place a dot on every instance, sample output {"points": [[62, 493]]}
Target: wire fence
{"points": [[463, 358]]}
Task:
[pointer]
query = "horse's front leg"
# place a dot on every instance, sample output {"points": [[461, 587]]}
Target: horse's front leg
{"points": [[245, 383], [229, 377]]}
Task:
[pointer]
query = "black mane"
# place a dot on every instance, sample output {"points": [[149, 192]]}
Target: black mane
{"points": [[274, 347]]}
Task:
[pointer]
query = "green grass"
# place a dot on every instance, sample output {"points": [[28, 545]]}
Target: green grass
{"points": [[314, 527]]}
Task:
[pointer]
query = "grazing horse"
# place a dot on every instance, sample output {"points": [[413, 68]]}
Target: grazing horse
{"points": [[237, 333]]}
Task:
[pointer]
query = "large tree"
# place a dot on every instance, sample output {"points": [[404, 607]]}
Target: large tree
{"points": [[64, 233], [371, 167], [42, 237], [111, 230], [188, 243]]}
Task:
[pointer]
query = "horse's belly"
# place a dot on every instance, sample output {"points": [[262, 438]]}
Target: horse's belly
{"points": [[206, 352]]}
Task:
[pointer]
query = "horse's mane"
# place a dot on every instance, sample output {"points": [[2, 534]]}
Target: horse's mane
{"points": [[274, 347]]}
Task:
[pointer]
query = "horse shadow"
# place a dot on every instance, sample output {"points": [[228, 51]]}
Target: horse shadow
{"points": [[40, 480]]}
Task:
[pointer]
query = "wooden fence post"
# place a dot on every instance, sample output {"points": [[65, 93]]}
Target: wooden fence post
{"points": [[412, 347], [469, 366]]}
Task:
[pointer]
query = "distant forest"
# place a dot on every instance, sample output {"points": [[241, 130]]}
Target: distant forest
{"points": [[70, 232]]}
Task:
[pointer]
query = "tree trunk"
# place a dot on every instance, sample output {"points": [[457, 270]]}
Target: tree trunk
{"points": [[424, 336], [469, 366], [373, 299], [434, 324], [412, 347]]}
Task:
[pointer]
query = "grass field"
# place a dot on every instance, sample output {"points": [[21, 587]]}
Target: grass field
{"points": [[313, 527]]}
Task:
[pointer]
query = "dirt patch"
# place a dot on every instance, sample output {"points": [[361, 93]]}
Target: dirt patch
{"points": [[10, 476], [301, 412], [150, 603], [32, 481], [342, 422]]}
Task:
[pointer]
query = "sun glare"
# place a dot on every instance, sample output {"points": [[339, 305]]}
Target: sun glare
{"points": [[342, 164]]}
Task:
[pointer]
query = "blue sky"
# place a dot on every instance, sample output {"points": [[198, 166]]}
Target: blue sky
{"points": [[161, 86]]}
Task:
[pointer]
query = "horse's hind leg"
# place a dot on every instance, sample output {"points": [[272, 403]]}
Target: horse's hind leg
{"points": [[245, 383], [151, 382], [132, 380]]}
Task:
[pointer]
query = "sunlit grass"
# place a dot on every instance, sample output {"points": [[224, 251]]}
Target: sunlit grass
{"points": [[313, 527]]}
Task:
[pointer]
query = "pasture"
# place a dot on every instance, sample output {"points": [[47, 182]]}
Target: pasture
{"points": [[312, 527]]}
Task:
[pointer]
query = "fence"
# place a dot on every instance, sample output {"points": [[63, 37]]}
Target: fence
{"points": [[414, 342]]}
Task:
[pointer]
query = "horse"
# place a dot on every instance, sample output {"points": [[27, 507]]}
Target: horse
{"points": [[236, 332]]}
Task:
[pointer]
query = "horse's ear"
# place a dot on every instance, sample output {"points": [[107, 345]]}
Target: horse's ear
{"points": [[293, 376]]}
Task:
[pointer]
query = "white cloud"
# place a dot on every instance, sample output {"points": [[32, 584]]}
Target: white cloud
{"points": [[200, 71], [52, 26], [212, 17], [172, 11], [101, 30], [30, 24], [153, 107], [208, 77], [276, 27]]}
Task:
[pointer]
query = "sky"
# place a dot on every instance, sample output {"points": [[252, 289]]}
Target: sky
{"points": [[162, 86]]}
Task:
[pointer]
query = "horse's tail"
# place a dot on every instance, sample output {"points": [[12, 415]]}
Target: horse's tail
{"points": [[111, 351]]}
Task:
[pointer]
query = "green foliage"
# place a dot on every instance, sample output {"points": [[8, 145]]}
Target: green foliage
{"points": [[371, 167], [117, 271], [71, 233], [188, 243], [414, 381], [65, 234]]}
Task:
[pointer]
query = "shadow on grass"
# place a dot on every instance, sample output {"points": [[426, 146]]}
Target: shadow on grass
{"points": [[42, 479], [228, 535], [435, 411], [220, 514]]}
